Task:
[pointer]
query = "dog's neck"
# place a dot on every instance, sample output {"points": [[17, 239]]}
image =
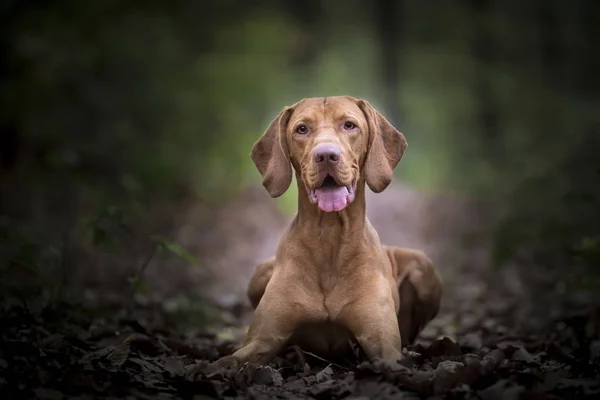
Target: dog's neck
{"points": [[351, 221]]}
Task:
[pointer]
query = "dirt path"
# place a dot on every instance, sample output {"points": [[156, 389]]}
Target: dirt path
{"points": [[249, 229]]}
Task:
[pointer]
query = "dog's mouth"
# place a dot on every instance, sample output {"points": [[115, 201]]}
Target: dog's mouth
{"points": [[331, 196]]}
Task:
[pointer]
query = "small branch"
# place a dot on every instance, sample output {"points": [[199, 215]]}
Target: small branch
{"points": [[141, 272], [324, 360]]}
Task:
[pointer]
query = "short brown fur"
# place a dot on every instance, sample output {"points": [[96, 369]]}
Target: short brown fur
{"points": [[331, 279]]}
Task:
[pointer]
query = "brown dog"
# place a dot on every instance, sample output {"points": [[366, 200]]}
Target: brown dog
{"points": [[331, 279]]}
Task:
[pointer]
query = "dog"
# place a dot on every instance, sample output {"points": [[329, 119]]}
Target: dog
{"points": [[331, 280]]}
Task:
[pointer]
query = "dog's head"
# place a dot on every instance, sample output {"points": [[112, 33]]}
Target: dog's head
{"points": [[333, 143]]}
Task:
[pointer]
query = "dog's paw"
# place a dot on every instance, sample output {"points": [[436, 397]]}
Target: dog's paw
{"points": [[221, 367]]}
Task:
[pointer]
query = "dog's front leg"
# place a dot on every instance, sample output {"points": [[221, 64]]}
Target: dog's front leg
{"points": [[373, 323], [275, 320]]}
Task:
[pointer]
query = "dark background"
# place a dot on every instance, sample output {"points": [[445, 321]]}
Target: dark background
{"points": [[126, 128]]}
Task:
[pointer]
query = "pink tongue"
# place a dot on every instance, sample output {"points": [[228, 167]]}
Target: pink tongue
{"points": [[332, 198]]}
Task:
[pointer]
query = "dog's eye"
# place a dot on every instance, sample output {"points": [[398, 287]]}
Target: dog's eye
{"points": [[349, 125], [302, 129]]}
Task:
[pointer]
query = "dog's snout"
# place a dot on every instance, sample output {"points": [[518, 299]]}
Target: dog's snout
{"points": [[327, 153]]}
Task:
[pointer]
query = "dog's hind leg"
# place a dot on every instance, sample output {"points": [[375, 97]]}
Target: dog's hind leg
{"points": [[420, 290], [260, 279]]}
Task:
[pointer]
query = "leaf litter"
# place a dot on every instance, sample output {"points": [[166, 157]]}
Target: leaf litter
{"points": [[486, 343], [125, 358]]}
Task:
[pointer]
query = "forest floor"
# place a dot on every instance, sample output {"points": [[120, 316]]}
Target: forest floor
{"points": [[513, 333]]}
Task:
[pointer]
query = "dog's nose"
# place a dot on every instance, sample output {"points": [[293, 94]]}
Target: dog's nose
{"points": [[327, 153]]}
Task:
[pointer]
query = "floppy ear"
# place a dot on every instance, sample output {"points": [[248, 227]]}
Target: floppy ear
{"points": [[384, 150], [270, 155]]}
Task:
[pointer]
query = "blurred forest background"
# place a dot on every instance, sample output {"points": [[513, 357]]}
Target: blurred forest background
{"points": [[125, 122]]}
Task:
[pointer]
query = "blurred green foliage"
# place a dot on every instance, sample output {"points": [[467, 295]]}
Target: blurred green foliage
{"points": [[127, 102]]}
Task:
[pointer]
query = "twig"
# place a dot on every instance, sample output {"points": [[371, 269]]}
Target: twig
{"points": [[301, 358], [324, 360], [141, 272]]}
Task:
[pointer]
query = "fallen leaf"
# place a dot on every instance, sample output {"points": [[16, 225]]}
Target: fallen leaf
{"points": [[175, 367], [448, 374], [52, 343], [521, 354], [47, 394], [491, 361], [327, 388], [251, 374], [306, 369], [586, 386], [324, 374], [120, 354], [501, 390], [471, 341], [268, 376]]}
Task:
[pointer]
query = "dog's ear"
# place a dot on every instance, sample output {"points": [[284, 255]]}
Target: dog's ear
{"points": [[271, 157], [385, 148]]}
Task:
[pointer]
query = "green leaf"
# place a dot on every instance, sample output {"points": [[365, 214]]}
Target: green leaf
{"points": [[133, 279], [138, 284], [86, 221], [590, 244], [174, 248], [142, 287], [114, 212]]}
